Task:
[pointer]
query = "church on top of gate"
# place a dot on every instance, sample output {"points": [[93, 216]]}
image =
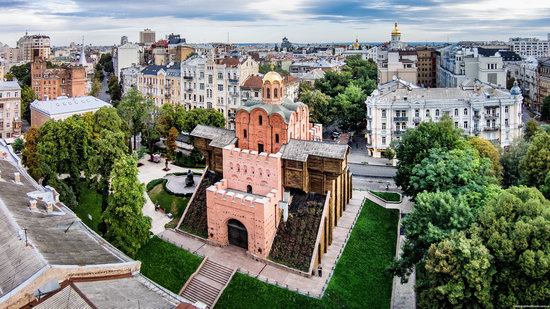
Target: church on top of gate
{"points": [[272, 171]]}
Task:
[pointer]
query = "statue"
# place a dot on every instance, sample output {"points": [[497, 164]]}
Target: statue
{"points": [[189, 181]]}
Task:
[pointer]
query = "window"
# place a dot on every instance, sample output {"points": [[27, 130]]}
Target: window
{"points": [[397, 113], [260, 120], [416, 113], [456, 111], [465, 124], [210, 78], [220, 75], [220, 87], [245, 133], [506, 109], [260, 148], [506, 122], [465, 112], [383, 126], [383, 140], [249, 189], [276, 138], [268, 93], [437, 113], [201, 86], [275, 94], [456, 124], [427, 113], [383, 113]]}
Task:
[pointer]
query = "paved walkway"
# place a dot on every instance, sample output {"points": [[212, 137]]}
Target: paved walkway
{"points": [[237, 258], [147, 172], [403, 294], [176, 184]]}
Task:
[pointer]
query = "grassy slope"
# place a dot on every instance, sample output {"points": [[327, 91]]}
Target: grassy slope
{"points": [[89, 203], [360, 279], [167, 264], [170, 203], [388, 196]]}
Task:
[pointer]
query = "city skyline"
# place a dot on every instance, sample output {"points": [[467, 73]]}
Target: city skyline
{"points": [[302, 21]]}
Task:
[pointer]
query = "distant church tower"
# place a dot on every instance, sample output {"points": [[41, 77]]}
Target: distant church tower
{"points": [[82, 54], [396, 38]]}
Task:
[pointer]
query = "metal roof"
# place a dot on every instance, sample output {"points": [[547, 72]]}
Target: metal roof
{"points": [[299, 150], [218, 137], [69, 105]]}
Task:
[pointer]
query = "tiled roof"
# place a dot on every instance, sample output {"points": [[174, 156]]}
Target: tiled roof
{"points": [[299, 150], [218, 137], [68, 105], [253, 82], [230, 62]]}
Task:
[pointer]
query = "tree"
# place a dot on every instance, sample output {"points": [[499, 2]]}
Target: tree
{"points": [[531, 128], [135, 111], [30, 154], [333, 83], [486, 149], [127, 228], [320, 108], [458, 273], [456, 171], [510, 160], [545, 188], [351, 107], [170, 116], [27, 97], [210, 117], [434, 217], [415, 145], [545, 109], [96, 87], [22, 73], [9, 76], [536, 163], [171, 143], [18, 144], [114, 89], [513, 227]]}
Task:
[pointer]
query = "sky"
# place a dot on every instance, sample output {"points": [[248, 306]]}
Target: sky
{"points": [[268, 21]]}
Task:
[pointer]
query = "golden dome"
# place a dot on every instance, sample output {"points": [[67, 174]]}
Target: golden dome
{"points": [[395, 30], [272, 77]]}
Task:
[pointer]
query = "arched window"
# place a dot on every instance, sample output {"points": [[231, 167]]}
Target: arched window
{"points": [[427, 113], [245, 133], [260, 119], [268, 93], [275, 93], [249, 189], [465, 112], [437, 113], [276, 138]]}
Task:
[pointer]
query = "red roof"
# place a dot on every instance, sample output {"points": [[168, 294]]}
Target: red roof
{"points": [[253, 82]]}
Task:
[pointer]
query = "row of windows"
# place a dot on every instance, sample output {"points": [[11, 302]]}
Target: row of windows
{"points": [[245, 133], [8, 94]]}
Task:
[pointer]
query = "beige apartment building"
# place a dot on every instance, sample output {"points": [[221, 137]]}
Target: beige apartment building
{"points": [[10, 109], [161, 83], [33, 46]]}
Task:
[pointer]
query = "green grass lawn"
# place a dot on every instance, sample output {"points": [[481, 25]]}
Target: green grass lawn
{"points": [[89, 203], [170, 203], [388, 196], [166, 264], [360, 279]]}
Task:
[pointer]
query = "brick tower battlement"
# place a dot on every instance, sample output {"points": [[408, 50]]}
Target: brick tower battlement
{"points": [[221, 191]]}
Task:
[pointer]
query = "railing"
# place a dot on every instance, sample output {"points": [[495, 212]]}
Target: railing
{"points": [[495, 128], [416, 119], [189, 89], [234, 94], [401, 118], [477, 117], [188, 77], [398, 132], [233, 80], [491, 116]]}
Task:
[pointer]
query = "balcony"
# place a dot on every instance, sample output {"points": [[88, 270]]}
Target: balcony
{"points": [[491, 129], [189, 89], [477, 117], [188, 77], [416, 120], [233, 80], [400, 118], [398, 132], [491, 116], [234, 94]]}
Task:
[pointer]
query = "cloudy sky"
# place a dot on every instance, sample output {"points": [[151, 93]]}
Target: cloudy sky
{"points": [[104, 21]]}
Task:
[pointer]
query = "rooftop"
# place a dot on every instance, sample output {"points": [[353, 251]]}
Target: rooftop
{"points": [[285, 109], [68, 105], [9, 85], [422, 94], [299, 150], [218, 137], [253, 82]]}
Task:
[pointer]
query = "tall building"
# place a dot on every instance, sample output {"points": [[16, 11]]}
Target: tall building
{"points": [[456, 65], [272, 167], [123, 40], [10, 109], [543, 81], [530, 47], [126, 56], [51, 83], [215, 83], [426, 74], [147, 37], [480, 109], [397, 61], [34, 46]]}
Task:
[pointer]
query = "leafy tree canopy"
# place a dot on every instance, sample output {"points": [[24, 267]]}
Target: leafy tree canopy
{"points": [[320, 108], [486, 149], [536, 163]]}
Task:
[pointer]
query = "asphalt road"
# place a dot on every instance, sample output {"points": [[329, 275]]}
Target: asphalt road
{"points": [[372, 171], [103, 95]]}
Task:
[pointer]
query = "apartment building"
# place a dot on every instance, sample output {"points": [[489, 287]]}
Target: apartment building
{"points": [[147, 37], [10, 109], [527, 75], [125, 56], [530, 47], [543, 80], [33, 46], [480, 109], [161, 83], [129, 77], [210, 82], [401, 64], [426, 68], [50, 83]]}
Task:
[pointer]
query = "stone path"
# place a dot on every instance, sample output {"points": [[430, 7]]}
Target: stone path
{"points": [[237, 258], [176, 184], [403, 294]]}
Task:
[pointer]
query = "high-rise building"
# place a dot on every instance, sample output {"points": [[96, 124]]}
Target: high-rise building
{"points": [[33, 46], [543, 81], [147, 37], [49, 84], [10, 109], [123, 40], [426, 68]]}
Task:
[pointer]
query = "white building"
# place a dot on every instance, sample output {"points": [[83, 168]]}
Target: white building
{"points": [[63, 108], [30, 46], [10, 109], [480, 110], [526, 74], [126, 56], [129, 77], [215, 83], [456, 65], [531, 47]]}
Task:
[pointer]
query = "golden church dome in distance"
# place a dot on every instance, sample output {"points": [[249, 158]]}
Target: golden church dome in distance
{"points": [[271, 77], [395, 30]]}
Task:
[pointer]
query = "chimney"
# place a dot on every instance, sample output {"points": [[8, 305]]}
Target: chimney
{"points": [[17, 178], [49, 208], [32, 204]]}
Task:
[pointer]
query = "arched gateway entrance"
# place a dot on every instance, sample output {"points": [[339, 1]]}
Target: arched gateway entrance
{"points": [[237, 234]]}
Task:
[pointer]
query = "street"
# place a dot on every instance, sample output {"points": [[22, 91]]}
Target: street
{"points": [[103, 95]]}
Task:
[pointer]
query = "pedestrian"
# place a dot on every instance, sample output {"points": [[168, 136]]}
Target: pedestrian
{"points": [[320, 270]]}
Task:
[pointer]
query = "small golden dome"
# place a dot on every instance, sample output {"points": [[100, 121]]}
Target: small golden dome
{"points": [[272, 77], [395, 30]]}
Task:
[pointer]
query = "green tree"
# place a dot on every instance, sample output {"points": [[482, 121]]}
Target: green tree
{"points": [[170, 116], [531, 128], [545, 109], [510, 160], [22, 73], [114, 89], [18, 144], [127, 228], [456, 170], [27, 97], [9, 77], [210, 117], [96, 87], [333, 83], [351, 107], [458, 274], [30, 154], [135, 111], [415, 145], [265, 68], [321, 109], [536, 163], [545, 188], [486, 149], [171, 143]]}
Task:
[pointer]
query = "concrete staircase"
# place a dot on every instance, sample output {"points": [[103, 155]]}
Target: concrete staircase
{"points": [[207, 283]]}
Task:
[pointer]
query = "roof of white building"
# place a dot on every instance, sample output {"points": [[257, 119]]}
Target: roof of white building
{"points": [[423, 94], [68, 105], [9, 85]]}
